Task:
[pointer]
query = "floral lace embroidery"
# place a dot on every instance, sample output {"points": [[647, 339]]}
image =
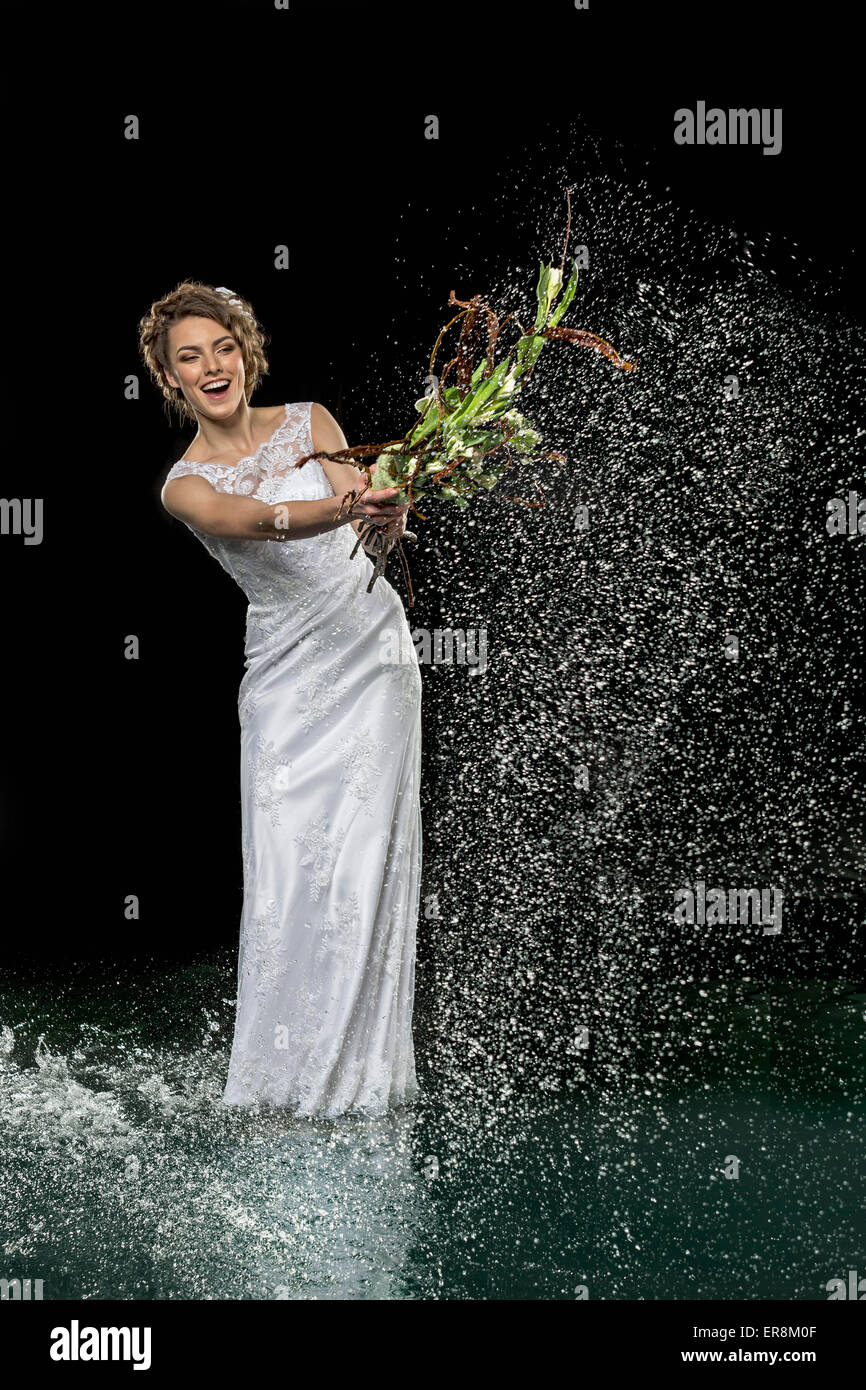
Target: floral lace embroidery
{"points": [[339, 940], [395, 951], [264, 948], [300, 1018], [271, 632], [396, 861], [399, 874], [270, 778], [397, 877], [269, 460], [407, 688], [357, 751], [247, 706], [320, 687], [321, 853], [387, 950]]}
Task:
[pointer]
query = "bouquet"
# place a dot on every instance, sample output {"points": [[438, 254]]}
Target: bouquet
{"points": [[468, 432]]}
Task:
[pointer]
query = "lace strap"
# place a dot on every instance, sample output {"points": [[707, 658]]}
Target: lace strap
{"points": [[182, 468]]}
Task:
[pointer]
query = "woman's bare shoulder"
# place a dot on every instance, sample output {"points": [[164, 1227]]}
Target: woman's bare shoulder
{"points": [[325, 430]]}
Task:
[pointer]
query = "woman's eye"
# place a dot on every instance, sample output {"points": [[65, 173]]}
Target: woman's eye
{"points": [[225, 349]]}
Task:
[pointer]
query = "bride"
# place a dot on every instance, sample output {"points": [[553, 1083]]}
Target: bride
{"points": [[330, 722]]}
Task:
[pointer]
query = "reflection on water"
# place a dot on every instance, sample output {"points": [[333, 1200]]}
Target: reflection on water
{"points": [[124, 1176]]}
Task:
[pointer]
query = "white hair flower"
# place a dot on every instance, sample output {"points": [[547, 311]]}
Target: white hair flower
{"points": [[231, 297]]}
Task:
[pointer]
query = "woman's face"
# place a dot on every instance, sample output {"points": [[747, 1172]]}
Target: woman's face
{"points": [[203, 354]]}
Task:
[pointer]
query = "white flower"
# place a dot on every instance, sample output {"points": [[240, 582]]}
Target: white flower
{"points": [[229, 294]]}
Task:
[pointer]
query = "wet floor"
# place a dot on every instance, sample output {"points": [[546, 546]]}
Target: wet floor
{"points": [[726, 1165]]}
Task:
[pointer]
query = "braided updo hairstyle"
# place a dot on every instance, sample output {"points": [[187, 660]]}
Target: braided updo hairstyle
{"points": [[193, 298]]}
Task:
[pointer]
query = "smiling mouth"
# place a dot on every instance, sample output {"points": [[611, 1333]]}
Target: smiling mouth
{"points": [[216, 392]]}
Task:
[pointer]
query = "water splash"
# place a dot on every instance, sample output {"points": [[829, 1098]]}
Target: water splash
{"points": [[123, 1177]]}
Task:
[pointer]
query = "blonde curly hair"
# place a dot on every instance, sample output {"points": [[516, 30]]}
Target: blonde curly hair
{"points": [[202, 301]]}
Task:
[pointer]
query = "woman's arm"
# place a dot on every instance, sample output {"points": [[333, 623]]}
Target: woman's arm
{"points": [[193, 500], [327, 436]]}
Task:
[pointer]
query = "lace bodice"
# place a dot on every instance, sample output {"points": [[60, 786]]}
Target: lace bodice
{"points": [[272, 460], [279, 574]]}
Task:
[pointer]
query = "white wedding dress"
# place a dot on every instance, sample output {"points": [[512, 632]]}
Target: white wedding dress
{"points": [[331, 812]]}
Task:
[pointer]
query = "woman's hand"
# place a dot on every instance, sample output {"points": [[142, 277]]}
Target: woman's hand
{"points": [[394, 529], [380, 505], [388, 516]]}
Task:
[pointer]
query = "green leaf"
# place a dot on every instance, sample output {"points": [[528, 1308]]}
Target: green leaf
{"points": [[566, 298], [541, 295], [482, 393], [425, 427], [527, 351], [478, 373]]}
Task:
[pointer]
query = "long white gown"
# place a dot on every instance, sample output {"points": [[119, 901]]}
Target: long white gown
{"points": [[331, 812]]}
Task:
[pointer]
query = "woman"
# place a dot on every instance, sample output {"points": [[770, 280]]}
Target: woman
{"points": [[330, 724]]}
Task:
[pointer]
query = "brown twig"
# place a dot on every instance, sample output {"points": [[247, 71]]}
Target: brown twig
{"points": [[567, 230]]}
